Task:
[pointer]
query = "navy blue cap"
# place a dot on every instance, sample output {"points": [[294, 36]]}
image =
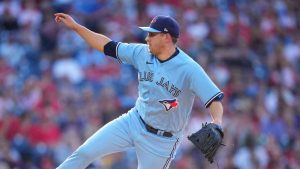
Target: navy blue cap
{"points": [[164, 24]]}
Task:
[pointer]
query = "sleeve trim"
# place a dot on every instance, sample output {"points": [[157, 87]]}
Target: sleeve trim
{"points": [[117, 54], [219, 94]]}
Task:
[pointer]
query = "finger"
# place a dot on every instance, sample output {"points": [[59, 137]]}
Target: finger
{"points": [[62, 15], [59, 14], [59, 19]]}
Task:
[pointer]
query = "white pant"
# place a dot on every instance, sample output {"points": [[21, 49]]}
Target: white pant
{"points": [[125, 132]]}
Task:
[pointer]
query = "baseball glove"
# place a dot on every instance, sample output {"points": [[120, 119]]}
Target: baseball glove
{"points": [[208, 139]]}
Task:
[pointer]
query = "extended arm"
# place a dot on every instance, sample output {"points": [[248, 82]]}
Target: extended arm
{"points": [[216, 112], [96, 40]]}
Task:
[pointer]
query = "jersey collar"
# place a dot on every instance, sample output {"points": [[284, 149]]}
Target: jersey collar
{"points": [[172, 56]]}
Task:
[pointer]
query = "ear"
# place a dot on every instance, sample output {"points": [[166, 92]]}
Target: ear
{"points": [[168, 38]]}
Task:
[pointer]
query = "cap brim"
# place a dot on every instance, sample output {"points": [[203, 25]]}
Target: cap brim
{"points": [[148, 29]]}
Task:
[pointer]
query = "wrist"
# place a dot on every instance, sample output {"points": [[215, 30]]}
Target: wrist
{"points": [[76, 27], [218, 122]]}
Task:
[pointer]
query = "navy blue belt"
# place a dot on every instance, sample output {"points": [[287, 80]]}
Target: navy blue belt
{"points": [[156, 131]]}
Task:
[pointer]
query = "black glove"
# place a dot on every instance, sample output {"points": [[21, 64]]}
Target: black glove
{"points": [[208, 139]]}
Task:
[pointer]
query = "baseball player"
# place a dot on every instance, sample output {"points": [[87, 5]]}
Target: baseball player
{"points": [[168, 80]]}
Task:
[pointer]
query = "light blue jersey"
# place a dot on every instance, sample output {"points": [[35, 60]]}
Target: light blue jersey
{"points": [[166, 95], [167, 89]]}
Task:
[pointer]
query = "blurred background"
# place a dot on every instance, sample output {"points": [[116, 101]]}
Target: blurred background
{"points": [[55, 91]]}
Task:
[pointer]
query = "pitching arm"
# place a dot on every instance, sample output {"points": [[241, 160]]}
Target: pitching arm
{"points": [[96, 40]]}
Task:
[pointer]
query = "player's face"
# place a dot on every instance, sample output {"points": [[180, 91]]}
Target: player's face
{"points": [[155, 42]]}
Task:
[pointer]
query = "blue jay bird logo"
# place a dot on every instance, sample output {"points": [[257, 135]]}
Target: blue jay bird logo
{"points": [[169, 104]]}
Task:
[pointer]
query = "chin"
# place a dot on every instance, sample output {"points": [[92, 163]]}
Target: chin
{"points": [[151, 51]]}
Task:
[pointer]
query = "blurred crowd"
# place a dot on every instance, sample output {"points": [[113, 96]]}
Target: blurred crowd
{"points": [[55, 91]]}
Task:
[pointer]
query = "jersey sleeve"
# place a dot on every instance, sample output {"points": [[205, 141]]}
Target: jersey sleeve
{"points": [[131, 53], [204, 87]]}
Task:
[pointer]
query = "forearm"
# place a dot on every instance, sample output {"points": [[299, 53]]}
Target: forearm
{"points": [[216, 112], [95, 40]]}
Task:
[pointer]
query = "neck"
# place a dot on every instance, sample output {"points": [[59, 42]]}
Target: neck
{"points": [[166, 53]]}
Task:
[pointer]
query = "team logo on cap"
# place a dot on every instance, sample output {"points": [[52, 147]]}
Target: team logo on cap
{"points": [[153, 20], [169, 104]]}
